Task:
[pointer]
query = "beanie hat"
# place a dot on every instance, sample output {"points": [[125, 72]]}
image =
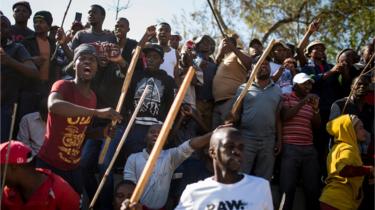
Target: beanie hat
{"points": [[45, 15]]}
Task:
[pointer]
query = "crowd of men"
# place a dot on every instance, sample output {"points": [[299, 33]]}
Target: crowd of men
{"points": [[67, 84]]}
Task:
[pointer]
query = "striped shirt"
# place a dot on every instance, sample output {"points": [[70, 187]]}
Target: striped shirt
{"points": [[298, 129]]}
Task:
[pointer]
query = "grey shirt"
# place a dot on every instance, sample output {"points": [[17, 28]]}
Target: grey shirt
{"points": [[31, 132], [88, 36], [156, 191], [259, 107]]}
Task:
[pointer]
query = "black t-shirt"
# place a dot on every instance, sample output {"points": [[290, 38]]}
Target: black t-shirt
{"points": [[157, 102], [11, 80], [127, 53], [19, 34]]}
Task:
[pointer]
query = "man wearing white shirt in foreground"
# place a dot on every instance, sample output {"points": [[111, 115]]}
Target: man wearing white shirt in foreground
{"points": [[228, 188]]}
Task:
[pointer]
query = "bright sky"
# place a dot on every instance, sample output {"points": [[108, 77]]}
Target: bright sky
{"points": [[141, 13]]}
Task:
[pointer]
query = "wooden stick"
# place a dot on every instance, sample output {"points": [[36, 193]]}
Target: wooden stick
{"points": [[356, 83], [8, 149], [282, 202], [217, 20], [119, 146], [13, 120], [121, 100], [257, 66], [62, 25], [151, 162]]}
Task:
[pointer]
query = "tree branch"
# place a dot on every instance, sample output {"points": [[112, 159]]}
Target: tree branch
{"points": [[279, 23], [217, 10]]}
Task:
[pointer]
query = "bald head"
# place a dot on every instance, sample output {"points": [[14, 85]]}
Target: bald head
{"points": [[222, 133]]}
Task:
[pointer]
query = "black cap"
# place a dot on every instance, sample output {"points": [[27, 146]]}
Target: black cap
{"points": [[23, 3], [255, 41], [45, 15], [154, 47]]}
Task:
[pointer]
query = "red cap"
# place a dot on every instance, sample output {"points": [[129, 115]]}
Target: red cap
{"points": [[19, 153]]}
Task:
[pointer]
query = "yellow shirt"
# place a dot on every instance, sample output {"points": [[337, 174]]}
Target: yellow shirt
{"points": [[340, 192]]}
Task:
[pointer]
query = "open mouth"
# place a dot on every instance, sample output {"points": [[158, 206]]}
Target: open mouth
{"points": [[86, 70]]}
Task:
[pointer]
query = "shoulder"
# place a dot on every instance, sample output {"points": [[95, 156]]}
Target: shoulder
{"points": [[132, 41], [82, 32], [62, 84], [198, 186], [163, 74], [134, 157], [31, 116], [61, 189]]}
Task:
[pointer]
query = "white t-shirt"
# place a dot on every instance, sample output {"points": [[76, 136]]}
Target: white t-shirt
{"points": [[170, 61], [285, 80], [251, 193]]}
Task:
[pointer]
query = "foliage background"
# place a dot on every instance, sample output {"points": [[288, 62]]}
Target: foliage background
{"points": [[344, 23]]}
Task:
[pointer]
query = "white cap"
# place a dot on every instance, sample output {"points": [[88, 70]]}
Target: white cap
{"points": [[301, 78]]}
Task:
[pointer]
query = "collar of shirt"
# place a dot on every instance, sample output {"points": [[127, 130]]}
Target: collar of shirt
{"points": [[145, 154], [255, 84]]}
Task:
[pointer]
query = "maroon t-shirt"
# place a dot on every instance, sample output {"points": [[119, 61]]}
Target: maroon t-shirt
{"points": [[65, 135]]}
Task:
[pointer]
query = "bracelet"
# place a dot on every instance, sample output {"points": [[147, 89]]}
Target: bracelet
{"points": [[317, 111]]}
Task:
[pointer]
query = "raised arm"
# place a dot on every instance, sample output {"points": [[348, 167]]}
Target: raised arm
{"points": [[57, 105], [313, 27]]}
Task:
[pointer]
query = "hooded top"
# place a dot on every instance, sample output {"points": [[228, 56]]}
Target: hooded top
{"points": [[342, 192]]}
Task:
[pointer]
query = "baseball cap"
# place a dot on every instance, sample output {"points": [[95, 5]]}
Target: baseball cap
{"points": [[154, 47], [23, 3], [18, 154], [176, 33], [301, 78]]}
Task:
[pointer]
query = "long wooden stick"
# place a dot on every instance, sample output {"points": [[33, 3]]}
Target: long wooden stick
{"points": [[119, 146], [356, 83], [257, 66], [151, 162], [217, 19], [121, 100], [282, 202], [8, 148], [62, 25], [13, 120]]}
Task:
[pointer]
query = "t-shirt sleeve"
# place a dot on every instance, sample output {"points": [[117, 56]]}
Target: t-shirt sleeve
{"points": [[61, 87], [335, 111], [179, 154], [75, 41], [186, 200], [130, 169], [238, 92]]}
